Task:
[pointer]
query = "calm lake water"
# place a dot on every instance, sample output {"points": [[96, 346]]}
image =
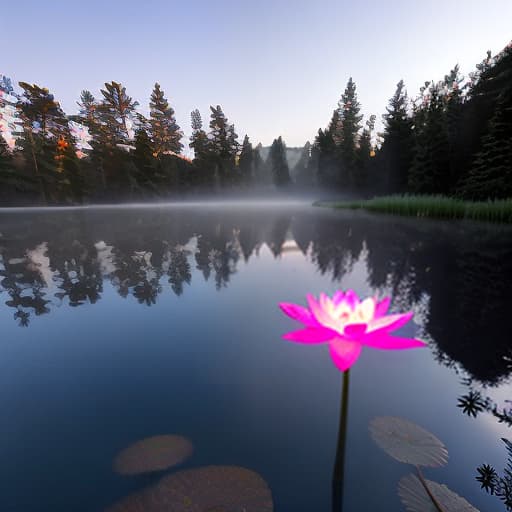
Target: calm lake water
{"points": [[122, 323]]}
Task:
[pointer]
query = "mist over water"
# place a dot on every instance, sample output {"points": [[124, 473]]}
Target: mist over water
{"points": [[263, 198]]}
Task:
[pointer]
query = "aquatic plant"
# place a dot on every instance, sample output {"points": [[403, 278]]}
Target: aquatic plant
{"points": [[153, 454], [474, 403], [436, 206], [209, 488], [499, 486], [411, 444], [347, 324]]}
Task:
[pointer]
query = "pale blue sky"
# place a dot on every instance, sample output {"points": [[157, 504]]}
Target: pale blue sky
{"points": [[277, 67]]}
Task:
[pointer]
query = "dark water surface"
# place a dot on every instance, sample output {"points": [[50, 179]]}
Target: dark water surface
{"points": [[118, 324]]}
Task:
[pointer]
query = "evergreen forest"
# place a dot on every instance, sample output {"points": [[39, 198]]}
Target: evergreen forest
{"points": [[452, 138]]}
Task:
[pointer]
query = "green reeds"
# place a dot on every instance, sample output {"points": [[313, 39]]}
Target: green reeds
{"points": [[440, 207]]}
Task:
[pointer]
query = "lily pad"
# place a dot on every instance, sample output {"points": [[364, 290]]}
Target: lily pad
{"points": [[407, 442], [153, 454], [210, 488], [416, 499]]}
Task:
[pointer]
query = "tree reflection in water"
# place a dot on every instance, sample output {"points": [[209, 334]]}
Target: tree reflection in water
{"points": [[455, 274]]}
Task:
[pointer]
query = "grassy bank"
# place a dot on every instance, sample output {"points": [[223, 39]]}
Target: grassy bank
{"points": [[432, 206]]}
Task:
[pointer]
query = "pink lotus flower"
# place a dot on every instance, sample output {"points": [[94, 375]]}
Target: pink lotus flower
{"points": [[347, 323]]}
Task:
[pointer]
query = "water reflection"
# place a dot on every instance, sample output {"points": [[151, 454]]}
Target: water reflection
{"points": [[496, 484], [457, 276], [454, 276]]}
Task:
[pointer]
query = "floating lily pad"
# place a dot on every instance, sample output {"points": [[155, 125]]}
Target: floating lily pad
{"points": [[211, 488], [407, 442], [153, 454], [416, 499]]}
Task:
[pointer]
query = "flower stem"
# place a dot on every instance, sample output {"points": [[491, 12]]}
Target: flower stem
{"points": [[339, 463]]}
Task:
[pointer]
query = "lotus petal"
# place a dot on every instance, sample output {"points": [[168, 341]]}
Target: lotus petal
{"points": [[366, 309], [310, 335], [319, 313], [384, 342], [382, 307], [351, 299], [338, 297], [299, 313], [344, 353], [389, 322], [355, 330]]}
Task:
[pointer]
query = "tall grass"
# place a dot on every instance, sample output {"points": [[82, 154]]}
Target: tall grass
{"points": [[440, 207]]}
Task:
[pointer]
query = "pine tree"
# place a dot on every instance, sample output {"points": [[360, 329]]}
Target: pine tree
{"points": [[196, 120], [454, 103], [232, 141], [88, 107], [5, 164], [246, 161], [335, 148], [279, 164], [72, 186], [480, 95], [201, 145], [260, 176], [430, 169], [335, 126], [365, 154], [40, 109], [5, 156], [164, 130], [89, 115], [303, 170], [396, 152], [147, 177], [346, 134], [222, 135], [88, 124], [326, 153], [223, 144], [199, 140], [45, 127], [495, 78], [491, 174], [116, 112], [13, 181], [481, 69]]}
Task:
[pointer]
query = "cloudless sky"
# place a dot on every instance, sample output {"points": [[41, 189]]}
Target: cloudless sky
{"points": [[277, 67]]}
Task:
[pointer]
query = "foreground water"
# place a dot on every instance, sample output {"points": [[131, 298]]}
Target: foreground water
{"points": [[118, 324]]}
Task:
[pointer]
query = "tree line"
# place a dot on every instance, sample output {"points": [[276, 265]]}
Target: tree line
{"points": [[454, 138], [111, 151]]}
